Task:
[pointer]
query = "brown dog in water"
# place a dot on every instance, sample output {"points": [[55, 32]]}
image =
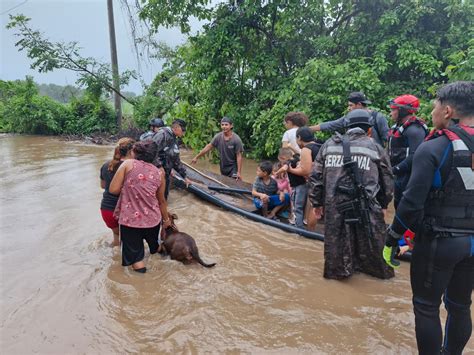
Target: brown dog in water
{"points": [[181, 246]]}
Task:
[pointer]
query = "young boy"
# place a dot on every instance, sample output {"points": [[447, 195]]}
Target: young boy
{"points": [[265, 191]]}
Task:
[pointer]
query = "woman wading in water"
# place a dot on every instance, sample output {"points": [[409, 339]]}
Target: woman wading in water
{"points": [[141, 204], [122, 151]]}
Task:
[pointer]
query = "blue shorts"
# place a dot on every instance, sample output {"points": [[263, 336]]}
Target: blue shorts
{"points": [[273, 201]]}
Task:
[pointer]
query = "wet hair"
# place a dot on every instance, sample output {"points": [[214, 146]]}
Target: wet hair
{"points": [[297, 118], [145, 151], [459, 95], [266, 167], [124, 145], [285, 153]]}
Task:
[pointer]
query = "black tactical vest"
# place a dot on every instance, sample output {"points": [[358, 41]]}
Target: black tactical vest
{"points": [[450, 208], [398, 147]]}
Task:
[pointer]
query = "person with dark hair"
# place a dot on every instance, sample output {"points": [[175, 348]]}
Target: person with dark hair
{"points": [[142, 206], [265, 191], [353, 182], [167, 154], [122, 151], [292, 121], [437, 208], [309, 150], [358, 101], [405, 136], [155, 125], [230, 148]]}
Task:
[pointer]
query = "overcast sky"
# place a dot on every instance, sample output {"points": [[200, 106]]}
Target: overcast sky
{"points": [[84, 21]]}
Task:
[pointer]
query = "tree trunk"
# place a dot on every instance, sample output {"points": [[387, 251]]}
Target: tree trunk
{"points": [[114, 60]]}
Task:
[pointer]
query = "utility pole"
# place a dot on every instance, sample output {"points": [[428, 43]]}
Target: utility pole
{"points": [[115, 72]]}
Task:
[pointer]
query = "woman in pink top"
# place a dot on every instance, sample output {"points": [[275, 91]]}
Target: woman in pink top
{"points": [[141, 204]]}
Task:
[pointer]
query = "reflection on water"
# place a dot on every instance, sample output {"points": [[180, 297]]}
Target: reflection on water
{"points": [[65, 291]]}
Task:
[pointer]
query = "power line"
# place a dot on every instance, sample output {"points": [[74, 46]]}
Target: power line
{"points": [[14, 7]]}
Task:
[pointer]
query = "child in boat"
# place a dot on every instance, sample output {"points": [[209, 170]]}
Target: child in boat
{"points": [[265, 191], [284, 188]]}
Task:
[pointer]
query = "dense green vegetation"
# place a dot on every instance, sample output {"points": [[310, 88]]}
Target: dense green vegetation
{"points": [[257, 60], [24, 110]]}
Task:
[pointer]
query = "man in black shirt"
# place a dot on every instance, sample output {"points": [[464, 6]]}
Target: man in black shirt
{"points": [[437, 206]]}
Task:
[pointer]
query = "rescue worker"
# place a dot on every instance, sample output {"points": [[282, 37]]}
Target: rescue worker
{"points": [[354, 222], [404, 137], [357, 100], [167, 154], [438, 206], [155, 125]]}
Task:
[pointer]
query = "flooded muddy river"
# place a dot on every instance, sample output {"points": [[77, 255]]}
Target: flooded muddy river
{"points": [[63, 289]]}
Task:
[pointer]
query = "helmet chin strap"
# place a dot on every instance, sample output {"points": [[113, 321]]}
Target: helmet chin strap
{"points": [[402, 113]]}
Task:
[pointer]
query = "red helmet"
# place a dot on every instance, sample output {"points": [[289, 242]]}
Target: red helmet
{"points": [[409, 103]]}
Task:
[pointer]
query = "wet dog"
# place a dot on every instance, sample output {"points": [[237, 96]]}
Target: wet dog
{"points": [[181, 246]]}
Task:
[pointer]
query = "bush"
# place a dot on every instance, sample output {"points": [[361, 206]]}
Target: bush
{"points": [[89, 116], [23, 110], [320, 90]]}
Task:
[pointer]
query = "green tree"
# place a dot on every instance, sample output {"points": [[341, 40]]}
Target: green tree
{"points": [[257, 59], [48, 56], [23, 110]]}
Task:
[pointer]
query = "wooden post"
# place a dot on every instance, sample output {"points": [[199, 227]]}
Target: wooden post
{"points": [[114, 60]]}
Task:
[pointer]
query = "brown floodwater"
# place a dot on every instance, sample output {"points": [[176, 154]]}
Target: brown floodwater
{"points": [[63, 289]]}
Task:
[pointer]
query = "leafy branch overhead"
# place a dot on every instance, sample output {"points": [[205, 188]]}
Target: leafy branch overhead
{"points": [[257, 60], [48, 56]]}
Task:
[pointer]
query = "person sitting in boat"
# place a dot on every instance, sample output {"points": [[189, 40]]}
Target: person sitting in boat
{"points": [[230, 148], [284, 188], [265, 192]]}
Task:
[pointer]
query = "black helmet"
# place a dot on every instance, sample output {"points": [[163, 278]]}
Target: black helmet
{"points": [[157, 122], [358, 118]]}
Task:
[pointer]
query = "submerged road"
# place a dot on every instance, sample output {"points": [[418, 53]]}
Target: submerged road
{"points": [[63, 289]]}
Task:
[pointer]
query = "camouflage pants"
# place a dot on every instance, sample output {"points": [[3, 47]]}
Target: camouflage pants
{"points": [[346, 248]]}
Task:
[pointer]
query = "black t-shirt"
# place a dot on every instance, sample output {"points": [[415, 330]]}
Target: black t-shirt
{"points": [[295, 180], [314, 147], [109, 201]]}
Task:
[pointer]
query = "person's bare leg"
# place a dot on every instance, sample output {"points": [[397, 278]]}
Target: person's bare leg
{"points": [[139, 266], [116, 241], [265, 209], [312, 220], [275, 211]]}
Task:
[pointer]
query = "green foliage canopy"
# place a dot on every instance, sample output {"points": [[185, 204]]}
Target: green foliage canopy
{"points": [[257, 60], [24, 110]]}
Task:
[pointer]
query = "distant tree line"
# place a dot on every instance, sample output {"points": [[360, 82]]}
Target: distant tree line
{"points": [[67, 93], [23, 109]]}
